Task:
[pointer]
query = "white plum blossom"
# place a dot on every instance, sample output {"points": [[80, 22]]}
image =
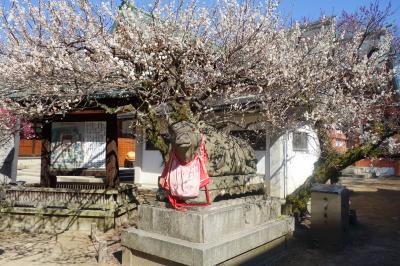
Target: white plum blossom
{"points": [[56, 53]]}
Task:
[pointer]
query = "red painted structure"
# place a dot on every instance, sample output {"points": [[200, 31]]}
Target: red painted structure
{"points": [[340, 143], [32, 148]]}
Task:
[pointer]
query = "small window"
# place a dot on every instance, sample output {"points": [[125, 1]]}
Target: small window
{"points": [[300, 141]]}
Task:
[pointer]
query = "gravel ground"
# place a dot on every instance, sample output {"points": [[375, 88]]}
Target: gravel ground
{"points": [[374, 240], [43, 249], [69, 248]]}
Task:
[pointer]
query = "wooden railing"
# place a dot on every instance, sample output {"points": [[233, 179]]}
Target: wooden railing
{"points": [[68, 206]]}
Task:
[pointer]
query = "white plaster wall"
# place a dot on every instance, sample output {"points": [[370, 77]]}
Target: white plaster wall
{"points": [[260, 156], [276, 171], [300, 164], [152, 166]]}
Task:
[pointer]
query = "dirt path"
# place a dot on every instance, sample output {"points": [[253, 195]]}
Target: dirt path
{"points": [[42, 249], [69, 248], [375, 240], [20, 249]]}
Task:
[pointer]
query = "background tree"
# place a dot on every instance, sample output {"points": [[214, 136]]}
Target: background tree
{"points": [[8, 127], [378, 130]]}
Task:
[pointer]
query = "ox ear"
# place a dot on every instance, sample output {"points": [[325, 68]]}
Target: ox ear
{"points": [[171, 124], [169, 127]]}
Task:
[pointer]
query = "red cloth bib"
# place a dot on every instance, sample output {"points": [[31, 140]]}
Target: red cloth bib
{"points": [[183, 180]]}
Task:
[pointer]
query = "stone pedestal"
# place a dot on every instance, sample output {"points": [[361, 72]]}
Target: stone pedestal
{"points": [[223, 232], [330, 215]]}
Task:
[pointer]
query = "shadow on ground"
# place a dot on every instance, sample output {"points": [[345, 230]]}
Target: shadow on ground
{"points": [[118, 255], [374, 240], [44, 249]]}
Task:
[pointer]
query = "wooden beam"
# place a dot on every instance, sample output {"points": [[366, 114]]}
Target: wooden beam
{"points": [[81, 117], [112, 169], [88, 112], [79, 172], [46, 178]]}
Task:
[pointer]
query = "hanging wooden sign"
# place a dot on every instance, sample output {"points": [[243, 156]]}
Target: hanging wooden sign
{"points": [[78, 145]]}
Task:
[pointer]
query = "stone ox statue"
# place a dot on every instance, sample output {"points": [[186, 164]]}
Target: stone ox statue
{"points": [[227, 155], [231, 162]]}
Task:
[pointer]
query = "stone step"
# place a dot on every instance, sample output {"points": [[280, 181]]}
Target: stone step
{"points": [[354, 176], [19, 173], [29, 169], [29, 163], [176, 250]]}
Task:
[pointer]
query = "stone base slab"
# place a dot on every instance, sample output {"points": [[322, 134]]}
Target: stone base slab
{"points": [[205, 224], [178, 251], [267, 254], [227, 186]]}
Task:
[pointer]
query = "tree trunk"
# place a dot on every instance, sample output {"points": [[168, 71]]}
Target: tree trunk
{"points": [[180, 110], [329, 167]]}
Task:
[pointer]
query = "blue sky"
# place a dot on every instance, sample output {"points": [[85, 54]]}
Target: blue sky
{"points": [[298, 9], [312, 9]]}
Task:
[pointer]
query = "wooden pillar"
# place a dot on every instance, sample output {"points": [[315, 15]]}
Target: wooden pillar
{"points": [[46, 179], [139, 155], [112, 170], [14, 164]]}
